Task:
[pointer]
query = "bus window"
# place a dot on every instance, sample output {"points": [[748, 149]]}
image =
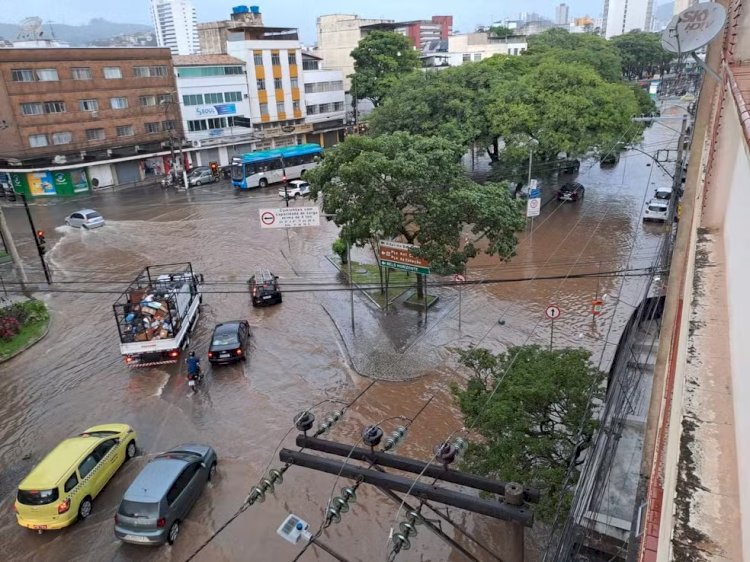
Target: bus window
{"points": [[274, 164]]}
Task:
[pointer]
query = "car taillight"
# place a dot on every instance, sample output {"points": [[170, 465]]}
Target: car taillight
{"points": [[128, 359], [63, 506], [161, 522], [210, 354], [239, 352], [174, 353]]}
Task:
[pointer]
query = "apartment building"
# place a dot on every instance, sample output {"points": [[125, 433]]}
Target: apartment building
{"points": [[470, 47], [212, 35], [621, 16], [85, 117], [419, 32], [176, 26], [325, 101]]}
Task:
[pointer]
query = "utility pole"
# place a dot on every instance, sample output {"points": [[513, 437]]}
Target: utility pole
{"points": [[13, 251], [38, 239]]}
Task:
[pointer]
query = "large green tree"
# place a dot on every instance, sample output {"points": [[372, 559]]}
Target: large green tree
{"points": [[414, 188], [379, 59], [532, 409], [642, 54]]}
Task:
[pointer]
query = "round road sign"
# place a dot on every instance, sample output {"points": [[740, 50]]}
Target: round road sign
{"points": [[268, 218], [458, 278], [533, 203], [552, 312]]}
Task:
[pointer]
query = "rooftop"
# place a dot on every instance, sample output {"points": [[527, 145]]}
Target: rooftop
{"points": [[204, 60]]}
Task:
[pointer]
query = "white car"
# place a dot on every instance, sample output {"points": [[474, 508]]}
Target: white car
{"points": [[85, 218], [656, 210], [663, 193], [295, 189]]}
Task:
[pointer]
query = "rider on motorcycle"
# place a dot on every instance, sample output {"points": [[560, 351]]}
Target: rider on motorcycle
{"points": [[193, 366]]}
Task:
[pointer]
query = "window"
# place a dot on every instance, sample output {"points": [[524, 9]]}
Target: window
{"points": [[125, 131], [309, 65], [153, 127], [81, 73], [295, 82], [88, 105], [94, 134], [37, 497], [292, 58], [147, 100], [261, 84], [62, 138], [232, 96], [264, 109], [217, 123], [199, 125], [35, 141], [164, 98], [71, 482], [182, 482], [477, 57], [118, 103], [149, 71], [467, 57], [275, 58], [112, 72], [101, 451], [22, 75], [168, 125], [280, 107], [34, 108], [324, 107], [258, 58], [277, 83], [54, 107], [338, 106], [46, 75], [312, 109], [214, 98], [295, 105], [192, 99], [87, 465], [207, 71], [309, 88]]}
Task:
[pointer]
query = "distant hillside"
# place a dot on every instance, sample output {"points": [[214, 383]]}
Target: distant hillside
{"points": [[78, 35]]}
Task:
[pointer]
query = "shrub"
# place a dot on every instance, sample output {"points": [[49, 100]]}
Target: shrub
{"points": [[339, 248], [9, 327]]}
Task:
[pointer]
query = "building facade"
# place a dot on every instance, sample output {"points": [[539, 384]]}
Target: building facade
{"points": [[419, 32], [621, 16], [212, 35], [470, 47], [97, 113], [176, 26], [325, 101], [562, 14]]}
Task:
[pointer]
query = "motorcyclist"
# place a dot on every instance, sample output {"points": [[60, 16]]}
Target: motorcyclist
{"points": [[193, 366]]}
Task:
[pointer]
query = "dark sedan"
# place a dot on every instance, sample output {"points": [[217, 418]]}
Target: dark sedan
{"points": [[571, 191], [229, 342]]}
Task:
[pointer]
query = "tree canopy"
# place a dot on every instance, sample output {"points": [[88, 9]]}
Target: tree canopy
{"points": [[402, 185], [642, 54], [537, 422], [379, 59]]}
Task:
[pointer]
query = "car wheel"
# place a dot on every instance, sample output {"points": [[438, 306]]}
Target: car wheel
{"points": [[212, 471], [174, 530], [243, 357], [84, 226], [279, 300], [263, 182], [67, 222], [130, 450], [85, 509], [296, 195]]}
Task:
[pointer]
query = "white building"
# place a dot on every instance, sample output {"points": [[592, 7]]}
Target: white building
{"points": [[325, 101], [213, 91], [176, 25], [621, 16], [471, 47], [562, 14]]}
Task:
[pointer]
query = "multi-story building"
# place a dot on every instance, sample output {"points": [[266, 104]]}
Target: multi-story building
{"points": [[176, 25], [562, 14], [213, 91], [621, 16], [324, 101], [82, 117], [419, 32], [213, 35], [338, 35], [470, 47]]}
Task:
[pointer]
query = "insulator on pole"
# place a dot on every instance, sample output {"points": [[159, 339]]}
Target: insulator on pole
{"points": [[304, 421], [371, 435], [341, 504], [275, 476], [349, 494], [409, 529], [401, 541], [258, 493]]}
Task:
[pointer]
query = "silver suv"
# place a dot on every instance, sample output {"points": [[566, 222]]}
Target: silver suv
{"points": [[163, 493]]}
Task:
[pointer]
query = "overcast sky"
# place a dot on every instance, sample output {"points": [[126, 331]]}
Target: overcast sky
{"points": [[295, 13]]}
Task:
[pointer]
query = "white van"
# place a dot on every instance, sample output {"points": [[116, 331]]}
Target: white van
{"points": [[656, 210]]}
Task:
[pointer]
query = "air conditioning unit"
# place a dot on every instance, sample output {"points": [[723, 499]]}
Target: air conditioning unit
{"points": [[59, 159], [195, 144]]}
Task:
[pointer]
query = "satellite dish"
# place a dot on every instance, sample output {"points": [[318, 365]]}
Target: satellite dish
{"points": [[30, 28], [693, 28]]}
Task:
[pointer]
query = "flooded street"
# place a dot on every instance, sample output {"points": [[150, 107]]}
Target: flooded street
{"points": [[302, 352]]}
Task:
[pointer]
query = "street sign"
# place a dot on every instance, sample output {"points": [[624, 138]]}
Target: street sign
{"points": [[533, 207], [398, 256], [289, 217], [596, 307], [552, 312], [458, 278], [533, 184]]}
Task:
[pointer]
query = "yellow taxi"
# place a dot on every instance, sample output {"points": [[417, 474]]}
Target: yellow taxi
{"points": [[62, 487]]}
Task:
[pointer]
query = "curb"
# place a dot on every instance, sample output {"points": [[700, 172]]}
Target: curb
{"points": [[31, 343]]}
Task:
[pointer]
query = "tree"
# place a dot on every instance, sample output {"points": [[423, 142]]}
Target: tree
{"points": [[642, 53], [413, 187], [501, 31], [577, 48], [533, 410], [379, 59]]}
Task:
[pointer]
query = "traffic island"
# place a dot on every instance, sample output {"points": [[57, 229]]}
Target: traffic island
{"points": [[417, 303], [22, 324], [367, 275]]}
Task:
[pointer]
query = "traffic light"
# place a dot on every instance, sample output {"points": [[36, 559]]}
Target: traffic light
{"points": [[41, 242], [214, 169]]}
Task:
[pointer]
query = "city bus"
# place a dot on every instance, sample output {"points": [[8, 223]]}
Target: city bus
{"points": [[264, 167]]}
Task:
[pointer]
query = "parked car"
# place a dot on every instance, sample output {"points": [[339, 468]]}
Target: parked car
{"points": [[8, 192], [85, 218], [656, 210], [264, 288], [163, 493], [295, 189], [571, 191], [229, 342], [201, 175], [62, 487], [663, 193]]}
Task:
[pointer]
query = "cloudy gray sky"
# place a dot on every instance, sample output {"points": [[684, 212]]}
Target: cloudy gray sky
{"points": [[295, 13]]}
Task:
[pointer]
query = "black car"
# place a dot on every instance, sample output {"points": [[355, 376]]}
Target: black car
{"points": [[229, 342], [571, 191], [264, 288]]}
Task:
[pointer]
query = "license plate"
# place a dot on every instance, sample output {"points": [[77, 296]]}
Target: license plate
{"points": [[266, 297], [191, 383], [136, 538], [223, 354], [39, 526]]}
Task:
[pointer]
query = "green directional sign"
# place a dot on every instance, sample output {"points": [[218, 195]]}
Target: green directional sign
{"points": [[405, 267]]}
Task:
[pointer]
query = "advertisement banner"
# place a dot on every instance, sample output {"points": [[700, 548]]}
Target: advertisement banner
{"points": [[40, 183], [79, 180], [62, 182]]}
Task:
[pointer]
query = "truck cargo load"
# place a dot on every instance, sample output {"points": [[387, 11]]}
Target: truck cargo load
{"points": [[156, 314]]}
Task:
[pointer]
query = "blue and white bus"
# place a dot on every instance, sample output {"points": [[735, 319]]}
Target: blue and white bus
{"points": [[264, 167]]}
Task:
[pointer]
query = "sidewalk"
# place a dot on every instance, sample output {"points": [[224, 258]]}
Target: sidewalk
{"points": [[56, 200]]}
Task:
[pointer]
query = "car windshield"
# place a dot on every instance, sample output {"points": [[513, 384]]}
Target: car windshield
{"points": [[225, 338], [37, 497], [93, 215], [663, 194], [138, 509]]}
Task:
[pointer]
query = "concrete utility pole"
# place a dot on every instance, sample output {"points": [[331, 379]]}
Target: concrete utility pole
{"points": [[11, 247]]}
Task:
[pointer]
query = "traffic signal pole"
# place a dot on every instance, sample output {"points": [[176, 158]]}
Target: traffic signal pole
{"points": [[38, 239]]}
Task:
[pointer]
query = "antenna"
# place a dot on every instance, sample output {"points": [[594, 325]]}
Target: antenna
{"points": [[693, 28]]}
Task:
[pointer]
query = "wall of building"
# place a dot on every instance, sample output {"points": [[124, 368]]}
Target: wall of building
{"points": [[331, 97], [621, 16]]}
